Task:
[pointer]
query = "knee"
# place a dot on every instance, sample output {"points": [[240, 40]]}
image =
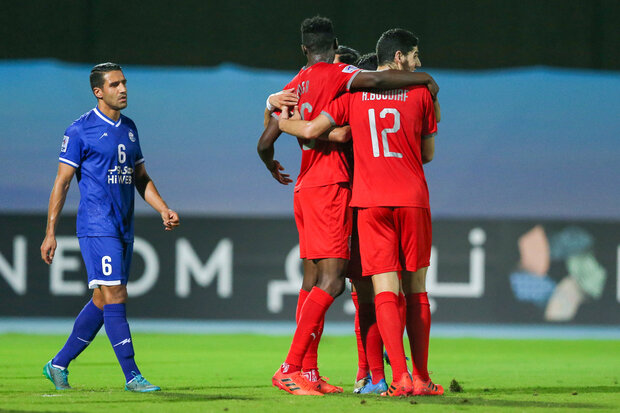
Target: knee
{"points": [[115, 296], [333, 286]]}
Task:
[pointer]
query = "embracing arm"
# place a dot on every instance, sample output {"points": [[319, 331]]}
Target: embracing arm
{"points": [[147, 190], [306, 129], [57, 201], [314, 129], [265, 152], [392, 79]]}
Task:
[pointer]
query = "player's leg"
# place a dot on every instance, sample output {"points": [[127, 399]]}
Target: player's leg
{"points": [[288, 377], [380, 258], [309, 281], [416, 243], [110, 275], [371, 337], [386, 288], [330, 284], [363, 370], [86, 326], [310, 270], [329, 230]]}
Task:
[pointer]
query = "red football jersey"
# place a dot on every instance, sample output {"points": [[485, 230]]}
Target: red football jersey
{"points": [[387, 128], [322, 162]]}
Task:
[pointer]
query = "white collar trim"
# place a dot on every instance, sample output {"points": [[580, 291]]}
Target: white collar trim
{"points": [[106, 119]]}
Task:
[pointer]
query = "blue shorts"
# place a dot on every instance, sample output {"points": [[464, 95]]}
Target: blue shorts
{"points": [[107, 260]]}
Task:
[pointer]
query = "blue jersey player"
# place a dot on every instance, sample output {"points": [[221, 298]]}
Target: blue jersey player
{"points": [[102, 149]]}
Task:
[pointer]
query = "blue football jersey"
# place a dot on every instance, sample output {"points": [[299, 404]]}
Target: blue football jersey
{"points": [[105, 154]]}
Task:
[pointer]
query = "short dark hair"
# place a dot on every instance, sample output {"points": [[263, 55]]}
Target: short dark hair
{"points": [[367, 62], [392, 41], [97, 72], [347, 54], [317, 34]]}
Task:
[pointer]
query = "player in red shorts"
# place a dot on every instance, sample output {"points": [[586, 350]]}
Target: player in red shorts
{"points": [[393, 135], [321, 197]]}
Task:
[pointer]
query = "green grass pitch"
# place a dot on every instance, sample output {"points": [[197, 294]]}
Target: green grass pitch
{"points": [[219, 373]]}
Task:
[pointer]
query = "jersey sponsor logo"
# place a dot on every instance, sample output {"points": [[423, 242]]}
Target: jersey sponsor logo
{"points": [[122, 343], [349, 69], [131, 136], [65, 143], [120, 175]]}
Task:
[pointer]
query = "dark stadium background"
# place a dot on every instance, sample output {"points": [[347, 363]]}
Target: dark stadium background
{"points": [[530, 94]]}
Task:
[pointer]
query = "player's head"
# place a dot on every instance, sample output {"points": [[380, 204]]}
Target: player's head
{"points": [[398, 49], [367, 62], [317, 36], [346, 54], [109, 85]]}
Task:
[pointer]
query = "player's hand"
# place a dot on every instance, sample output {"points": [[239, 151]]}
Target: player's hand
{"points": [[170, 219], [283, 98], [433, 87], [48, 249], [296, 113], [285, 114], [276, 172]]}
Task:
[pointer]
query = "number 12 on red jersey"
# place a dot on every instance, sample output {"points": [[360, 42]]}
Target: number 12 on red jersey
{"points": [[384, 132]]}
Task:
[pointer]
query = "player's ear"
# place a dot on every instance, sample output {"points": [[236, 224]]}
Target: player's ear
{"points": [[335, 45], [398, 57], [304, 50], [98, 92]]}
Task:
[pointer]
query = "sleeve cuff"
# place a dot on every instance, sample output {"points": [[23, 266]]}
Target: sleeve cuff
{"points": [[68, 162], [331, 120]]}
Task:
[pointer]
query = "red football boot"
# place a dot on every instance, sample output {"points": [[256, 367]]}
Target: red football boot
{"points": [[403, 387], [426, 388], [294, 383]]}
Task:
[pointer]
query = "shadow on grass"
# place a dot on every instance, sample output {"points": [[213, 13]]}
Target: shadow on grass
{"points": [[189, 397], [481, 402], [547, 390]]}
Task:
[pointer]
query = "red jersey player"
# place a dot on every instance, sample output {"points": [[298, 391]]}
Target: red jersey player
{"points": [[321, 197], [393, 135]]}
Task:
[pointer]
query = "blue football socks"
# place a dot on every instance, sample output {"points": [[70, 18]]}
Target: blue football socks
{"points": [[117, 329], [85, 328]]}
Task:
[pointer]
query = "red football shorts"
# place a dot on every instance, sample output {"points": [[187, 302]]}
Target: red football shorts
{"points": [[323, 219], [394, 239]]}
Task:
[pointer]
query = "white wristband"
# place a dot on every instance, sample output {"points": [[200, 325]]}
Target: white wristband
{"points": [[270, 107]]}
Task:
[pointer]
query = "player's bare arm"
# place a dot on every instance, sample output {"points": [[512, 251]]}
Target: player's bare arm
{"points": [[57, 201], [304, 129], [265, 151], [339, 134], [437, 109], [392, 79], [148, 191], [428, 149]]}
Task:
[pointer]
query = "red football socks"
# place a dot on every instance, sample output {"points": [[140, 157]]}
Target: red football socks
{"points": [[388, 319], [310, 361], [374, 351], [362, 363], [309, 325], [418, 331], [303, 294], [402, 306]]}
